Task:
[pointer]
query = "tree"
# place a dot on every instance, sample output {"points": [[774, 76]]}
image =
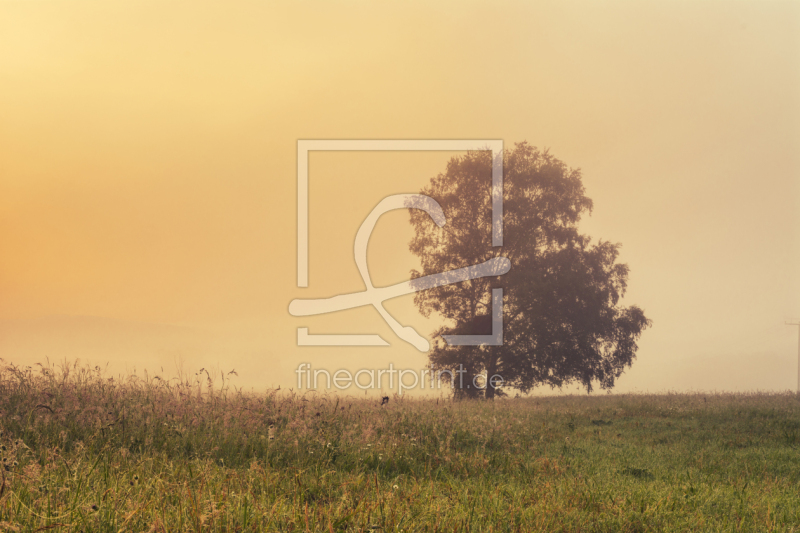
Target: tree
{"points": [[562, 319]]}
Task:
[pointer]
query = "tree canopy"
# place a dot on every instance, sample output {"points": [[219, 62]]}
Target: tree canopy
{"points": [[562, 319]]}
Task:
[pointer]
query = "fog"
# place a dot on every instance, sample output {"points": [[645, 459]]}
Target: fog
{"points": [[148, 180]]}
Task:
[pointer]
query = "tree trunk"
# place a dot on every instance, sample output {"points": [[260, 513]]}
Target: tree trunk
{"points": [[491, 369]]}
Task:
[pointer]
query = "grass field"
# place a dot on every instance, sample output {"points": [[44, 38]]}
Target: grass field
{"points": [[84, 452]]}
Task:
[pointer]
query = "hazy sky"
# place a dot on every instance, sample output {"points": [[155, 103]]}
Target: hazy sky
{"points": [[148, 170]]}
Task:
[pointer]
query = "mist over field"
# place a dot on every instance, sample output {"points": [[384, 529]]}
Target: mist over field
{"points": [[587, 215], [148, 189]]}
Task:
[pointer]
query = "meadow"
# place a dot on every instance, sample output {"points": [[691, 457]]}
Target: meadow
{"points": [[82, 451]]}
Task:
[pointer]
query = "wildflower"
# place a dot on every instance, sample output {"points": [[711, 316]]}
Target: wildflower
{"points": [[395, 487]]}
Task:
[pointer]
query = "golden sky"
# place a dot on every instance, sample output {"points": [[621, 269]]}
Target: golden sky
{"points": [[148, 170]]}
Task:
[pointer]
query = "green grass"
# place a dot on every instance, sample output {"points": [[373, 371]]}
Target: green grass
{"points": [[86, 453]]}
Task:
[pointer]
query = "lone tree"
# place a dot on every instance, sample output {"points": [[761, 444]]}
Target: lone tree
{"points": [[562, 322]]}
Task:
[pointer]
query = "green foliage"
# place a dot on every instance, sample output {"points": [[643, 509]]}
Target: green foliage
{"points": [[85, 453]]}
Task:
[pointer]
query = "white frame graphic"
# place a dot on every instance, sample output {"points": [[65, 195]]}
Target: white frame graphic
{"points": [[304, 146]]}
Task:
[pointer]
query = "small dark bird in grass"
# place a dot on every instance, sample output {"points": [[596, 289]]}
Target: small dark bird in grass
{"points": [[384, 400]]}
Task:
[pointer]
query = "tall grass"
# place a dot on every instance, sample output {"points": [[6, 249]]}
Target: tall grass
{"points": [[86, 452]]}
